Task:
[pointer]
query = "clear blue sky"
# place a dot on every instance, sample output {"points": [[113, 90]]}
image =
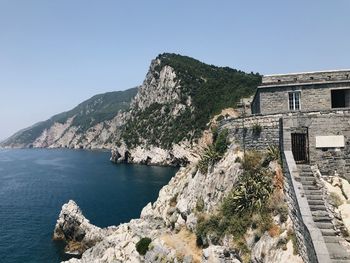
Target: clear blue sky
{"points": [[56, 53]]}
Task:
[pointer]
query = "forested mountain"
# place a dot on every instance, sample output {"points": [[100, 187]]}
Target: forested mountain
{"points": [[99, 108], [163, 116]]}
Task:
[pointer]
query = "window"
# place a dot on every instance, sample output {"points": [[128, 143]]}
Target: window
{"points": [[294, 100], [340, 98]]}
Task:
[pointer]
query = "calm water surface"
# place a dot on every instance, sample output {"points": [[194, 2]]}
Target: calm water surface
{"points": [[34, 184]]}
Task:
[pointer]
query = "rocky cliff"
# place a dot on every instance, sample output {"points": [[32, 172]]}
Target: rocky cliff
{"points": [[158, 123], [92, 124], [171, 224]]}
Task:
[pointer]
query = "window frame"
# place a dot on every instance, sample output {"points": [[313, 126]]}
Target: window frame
{"points": [[331, 96], [294, 100]]}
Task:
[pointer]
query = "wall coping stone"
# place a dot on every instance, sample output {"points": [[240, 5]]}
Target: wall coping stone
{"points": [[343, 111]]}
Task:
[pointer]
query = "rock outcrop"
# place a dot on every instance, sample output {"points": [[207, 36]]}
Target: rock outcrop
{"points": [[171, 221], [73, 228]]}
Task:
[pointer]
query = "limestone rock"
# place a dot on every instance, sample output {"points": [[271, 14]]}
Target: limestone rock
{"points": [[73, 228], [267, 250], [170, 222], [219, 254]]}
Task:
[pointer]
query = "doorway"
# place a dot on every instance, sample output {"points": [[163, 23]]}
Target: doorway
{"points": [[300, 147]]}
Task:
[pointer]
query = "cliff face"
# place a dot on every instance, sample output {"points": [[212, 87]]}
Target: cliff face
{"points": [[92, 124], [158, 123], [172, 221]]}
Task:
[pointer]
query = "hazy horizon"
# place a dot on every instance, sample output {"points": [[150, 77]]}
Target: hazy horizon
{"points": [[56, 54]]}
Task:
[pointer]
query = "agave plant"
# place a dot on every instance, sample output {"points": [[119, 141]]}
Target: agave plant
{"points": [[273, 153], [253, 191], [209, 158]]}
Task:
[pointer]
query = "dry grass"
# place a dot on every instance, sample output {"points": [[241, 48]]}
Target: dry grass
{"points": [[274, 231], [279, 179], [184, 243]]}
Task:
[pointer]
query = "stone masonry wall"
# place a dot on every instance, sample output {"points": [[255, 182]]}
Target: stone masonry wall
{"points": [[312, 98], [255, 132], [258, 132], [323, 124]]}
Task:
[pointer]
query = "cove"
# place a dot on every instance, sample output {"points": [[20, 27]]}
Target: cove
{"points": [[35, 183]]}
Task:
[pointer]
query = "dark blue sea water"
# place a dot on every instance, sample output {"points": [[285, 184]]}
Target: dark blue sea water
{"points": [[34, 184]]}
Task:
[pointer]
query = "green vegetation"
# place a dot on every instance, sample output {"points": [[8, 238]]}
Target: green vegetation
{"points": [[251, 204], [256, 129], [273, 153], [88, 113], [200, 204], [210, 88], [213, 153], [204, 91], [143, 245]]}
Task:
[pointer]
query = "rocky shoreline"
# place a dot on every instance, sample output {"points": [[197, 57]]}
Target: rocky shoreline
{"points": [[170, 223]]}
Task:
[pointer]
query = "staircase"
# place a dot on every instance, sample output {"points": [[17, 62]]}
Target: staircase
{"points": [[321, 217]]}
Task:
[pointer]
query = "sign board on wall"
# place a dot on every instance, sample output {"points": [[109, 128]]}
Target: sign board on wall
{"points": [[334, 141]]}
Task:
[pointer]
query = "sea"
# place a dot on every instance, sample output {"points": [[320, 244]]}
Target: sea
{"points": [[35, 183]]}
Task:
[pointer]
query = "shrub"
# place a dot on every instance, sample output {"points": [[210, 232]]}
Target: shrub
{"points": [[209, 157], [220, 118], [251, 204], [273, 153], [252, 161], [143, 245], [213, 153], [250, 194], [291, 236], [256, 129], [215, 132], [221, 142], [200, 204]]}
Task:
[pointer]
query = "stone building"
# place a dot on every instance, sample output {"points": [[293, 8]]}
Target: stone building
{"points": [[303, 92], [315, 121], [307, 116]]}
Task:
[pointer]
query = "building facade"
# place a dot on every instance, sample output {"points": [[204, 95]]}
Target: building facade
{"points": [[303, 92], [306, 113]]}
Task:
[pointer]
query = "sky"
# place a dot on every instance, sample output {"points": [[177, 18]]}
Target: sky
{"points": [[56, 53]]}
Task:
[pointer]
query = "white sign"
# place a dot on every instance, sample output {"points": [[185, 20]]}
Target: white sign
{"points": [[335, 141]]}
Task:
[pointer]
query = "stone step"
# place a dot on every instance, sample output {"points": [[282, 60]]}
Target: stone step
{"points": [[322, 219], [303, 166], [307, 179], [308, 183], [318, 207], [306, 174], [324, 225], [315, 197], [309, 187], [336, 251], [315, 202], [328, 232], [305, 170], [340, 260], [312, 192], [330, 239], [320, 214]]}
